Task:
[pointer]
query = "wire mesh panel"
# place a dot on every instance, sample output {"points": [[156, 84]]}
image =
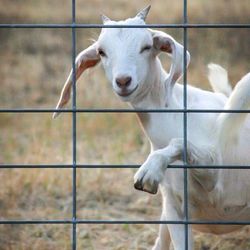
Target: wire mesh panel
{"points": [[75, 166]]}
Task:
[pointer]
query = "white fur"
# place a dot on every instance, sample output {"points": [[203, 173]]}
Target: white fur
{"points": [[218, 78], [214, 194]]}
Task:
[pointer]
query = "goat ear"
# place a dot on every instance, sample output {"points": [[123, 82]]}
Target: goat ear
{"points": [[86, 59], [143, 13], [166, 43], [105, 19]]}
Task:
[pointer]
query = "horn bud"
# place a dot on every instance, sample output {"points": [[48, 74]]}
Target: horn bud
{"points": [[143, 13], [105, 19]]}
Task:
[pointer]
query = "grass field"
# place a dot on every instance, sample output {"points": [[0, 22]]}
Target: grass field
{"points": [[34, 64]]}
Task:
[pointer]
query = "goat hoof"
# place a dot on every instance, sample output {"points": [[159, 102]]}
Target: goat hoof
{"points": [[138, 185], [149, 188]]}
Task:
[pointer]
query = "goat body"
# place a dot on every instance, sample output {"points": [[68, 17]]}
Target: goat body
{"points": [[131, 63]]}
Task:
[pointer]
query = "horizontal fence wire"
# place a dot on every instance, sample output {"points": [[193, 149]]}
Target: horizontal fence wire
{"points": [[118, 166], [74, 111], [131, 222], [96, 26], [110, 110]]}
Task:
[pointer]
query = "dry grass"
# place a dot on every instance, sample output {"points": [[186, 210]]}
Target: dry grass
{"points": [[33, 67]]}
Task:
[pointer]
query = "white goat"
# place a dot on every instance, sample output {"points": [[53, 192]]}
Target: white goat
{"points": [[130, 59]]}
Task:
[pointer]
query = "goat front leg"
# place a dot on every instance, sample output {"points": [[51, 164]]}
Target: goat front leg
{"points": [[151, 173], [163, 241]]}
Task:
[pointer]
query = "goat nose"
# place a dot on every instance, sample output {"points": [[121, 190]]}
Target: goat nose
{"points": [[124, 81]]}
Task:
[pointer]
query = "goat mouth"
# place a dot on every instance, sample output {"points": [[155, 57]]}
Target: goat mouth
{"points": [[125, 93]]}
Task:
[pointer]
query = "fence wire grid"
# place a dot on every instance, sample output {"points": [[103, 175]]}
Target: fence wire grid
{"points": [[74, 111]]}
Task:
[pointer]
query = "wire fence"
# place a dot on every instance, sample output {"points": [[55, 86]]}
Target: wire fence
{"points": [[74, 111]]}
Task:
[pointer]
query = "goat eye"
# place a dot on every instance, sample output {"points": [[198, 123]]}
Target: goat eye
{"points": [[145, 48], [101, 52]]}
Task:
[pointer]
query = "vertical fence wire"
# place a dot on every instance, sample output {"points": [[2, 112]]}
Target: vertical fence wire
{"points": [[74, 191], [185, 170]]}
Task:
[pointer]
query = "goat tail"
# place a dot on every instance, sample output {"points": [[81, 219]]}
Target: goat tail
{"points": [[229, 124], [218, 79]]}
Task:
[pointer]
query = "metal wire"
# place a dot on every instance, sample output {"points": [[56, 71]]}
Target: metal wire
{"points": [[95, 26], [130, 222], [74, 217], [111, 166], [185, 173], [110, 110], [74, 111]]}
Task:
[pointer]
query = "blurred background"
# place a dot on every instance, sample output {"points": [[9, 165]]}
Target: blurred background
{"points": [[34, 64]]}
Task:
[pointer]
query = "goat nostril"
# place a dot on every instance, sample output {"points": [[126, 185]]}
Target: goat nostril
{"points": [[123, 81]]}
